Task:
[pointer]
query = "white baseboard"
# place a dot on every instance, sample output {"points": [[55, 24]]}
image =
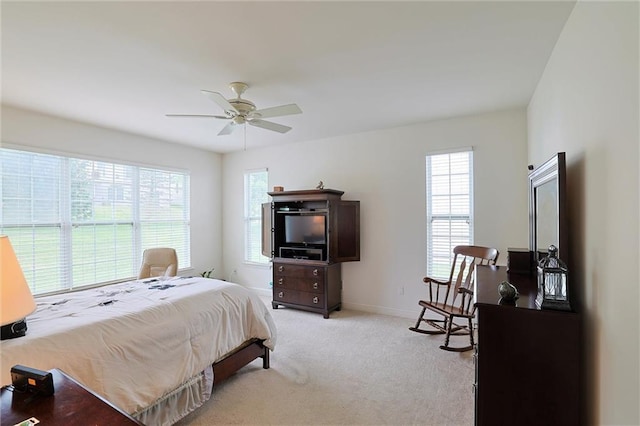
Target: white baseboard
{"points": [[381, 310], [264, 292]]}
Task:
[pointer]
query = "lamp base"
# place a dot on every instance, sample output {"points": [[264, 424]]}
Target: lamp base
{"points": [[13, 330]]}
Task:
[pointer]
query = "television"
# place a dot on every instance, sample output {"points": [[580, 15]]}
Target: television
{"points": [[305, 229]]}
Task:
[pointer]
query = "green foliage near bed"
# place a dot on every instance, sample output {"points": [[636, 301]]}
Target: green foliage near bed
{"points": [[207, 274]]}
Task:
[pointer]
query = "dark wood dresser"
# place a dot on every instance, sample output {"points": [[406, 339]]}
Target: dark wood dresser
{"points": [[317, 287], [527, 360], [71, 404]]}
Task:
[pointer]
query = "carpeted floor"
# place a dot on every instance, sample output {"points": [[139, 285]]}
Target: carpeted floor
{"points": [[355, 368]]}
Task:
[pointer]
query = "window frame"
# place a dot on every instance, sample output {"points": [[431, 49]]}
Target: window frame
{"points": [[253, 223], [445, 254], [65, 263]]}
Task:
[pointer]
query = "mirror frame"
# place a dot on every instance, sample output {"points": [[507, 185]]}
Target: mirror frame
{"points": [[552, 169]]}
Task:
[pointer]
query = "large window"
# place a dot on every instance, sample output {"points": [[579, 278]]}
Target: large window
{"points": [[449, 207], [255, 193], [76, 222]]}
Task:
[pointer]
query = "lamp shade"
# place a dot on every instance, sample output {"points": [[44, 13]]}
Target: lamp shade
{"points": [[16, 301]]}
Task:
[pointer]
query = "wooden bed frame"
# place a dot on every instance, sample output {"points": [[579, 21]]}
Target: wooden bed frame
{"points": [[243, 355]]}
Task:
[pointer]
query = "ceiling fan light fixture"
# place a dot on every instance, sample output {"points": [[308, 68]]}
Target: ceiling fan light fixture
{"points": [[243, 106], [242, 111]]}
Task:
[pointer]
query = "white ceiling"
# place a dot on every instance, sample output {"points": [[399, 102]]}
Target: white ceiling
{"points": [[350, 66]]}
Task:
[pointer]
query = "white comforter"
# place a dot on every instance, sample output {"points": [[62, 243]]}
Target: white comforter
{"points": [[145, 342]]}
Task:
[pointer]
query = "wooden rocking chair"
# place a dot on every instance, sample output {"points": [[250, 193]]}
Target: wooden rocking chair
{"points": [[453, 299]]}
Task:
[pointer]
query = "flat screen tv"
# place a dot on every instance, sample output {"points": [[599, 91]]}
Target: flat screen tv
{"points": [[304, 229]]}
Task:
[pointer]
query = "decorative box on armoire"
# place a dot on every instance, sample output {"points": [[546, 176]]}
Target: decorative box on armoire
{"points": [[308, 234]]}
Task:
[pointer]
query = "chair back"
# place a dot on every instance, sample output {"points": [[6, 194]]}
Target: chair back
{"points": [[457, 304], [465, 259], [158, 261]]}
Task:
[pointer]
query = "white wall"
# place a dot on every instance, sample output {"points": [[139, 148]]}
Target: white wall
{"points": [[57, 135], [586, 104], [385, 170]]}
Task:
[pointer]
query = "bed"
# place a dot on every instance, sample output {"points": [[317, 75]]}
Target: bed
{"points": [[154, 349]]}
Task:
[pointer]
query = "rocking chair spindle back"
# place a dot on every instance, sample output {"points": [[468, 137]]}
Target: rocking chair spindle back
{"points": [[457, 302]]}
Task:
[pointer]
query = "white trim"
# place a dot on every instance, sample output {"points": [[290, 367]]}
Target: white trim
{"points": [[129, 175], [70, 154], [447, 218], [247, 219], [257, 264], [449, 150], [257, 169]]}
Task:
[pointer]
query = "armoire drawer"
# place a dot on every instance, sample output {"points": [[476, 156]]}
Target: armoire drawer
{"points": [[313, 285], [308, 286], [299, 271], [299, 297]]}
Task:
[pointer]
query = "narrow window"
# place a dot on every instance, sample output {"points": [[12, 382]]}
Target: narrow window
{"points": [[449, 199], [255, 193]]}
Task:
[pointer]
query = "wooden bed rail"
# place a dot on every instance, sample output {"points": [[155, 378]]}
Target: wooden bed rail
{"points": [[233, 362]]}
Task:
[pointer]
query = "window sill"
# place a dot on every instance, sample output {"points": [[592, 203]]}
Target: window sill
{"points": [[258, 265]]}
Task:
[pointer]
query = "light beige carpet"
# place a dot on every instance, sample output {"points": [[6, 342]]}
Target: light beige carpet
{"points": [[352, 369]]}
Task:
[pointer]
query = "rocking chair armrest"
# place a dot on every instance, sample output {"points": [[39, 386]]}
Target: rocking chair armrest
{"points": [[429, 280], [465, 290]]}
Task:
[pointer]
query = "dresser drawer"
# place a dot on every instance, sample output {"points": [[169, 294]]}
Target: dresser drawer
{"points": [[299, 271], [307, 286], [311, 299], [313, 285], [299, 297], [285, 295]]}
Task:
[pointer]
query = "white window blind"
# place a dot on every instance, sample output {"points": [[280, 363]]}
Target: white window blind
{"points": [[255, 193], [77, 222], [449, 185]]}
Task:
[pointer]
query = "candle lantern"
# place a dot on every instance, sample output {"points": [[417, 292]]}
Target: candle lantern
{"points": [[552, 282]]}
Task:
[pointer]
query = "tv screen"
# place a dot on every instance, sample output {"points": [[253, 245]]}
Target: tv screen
{"points": [[304, 229]]}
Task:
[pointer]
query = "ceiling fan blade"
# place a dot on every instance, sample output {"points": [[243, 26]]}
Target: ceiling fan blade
{"points": [[223, 117], [269, 125], [220, 100], [277, 111], [228, 129]]}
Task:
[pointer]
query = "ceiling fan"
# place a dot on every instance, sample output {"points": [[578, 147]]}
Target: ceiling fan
{"points": [[240, 111]]}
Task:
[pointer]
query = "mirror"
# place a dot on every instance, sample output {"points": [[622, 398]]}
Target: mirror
{"points": [[547, 208], [547, 214]]}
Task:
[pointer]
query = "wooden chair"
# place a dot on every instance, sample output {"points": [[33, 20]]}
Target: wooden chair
{"points": [[158, 262], [452, 300]]}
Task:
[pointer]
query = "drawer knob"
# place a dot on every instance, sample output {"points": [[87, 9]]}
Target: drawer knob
{"points": [[281, 281], [315, 286], [315, 300], [281, 294], [280, 268], [315, 272]]}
